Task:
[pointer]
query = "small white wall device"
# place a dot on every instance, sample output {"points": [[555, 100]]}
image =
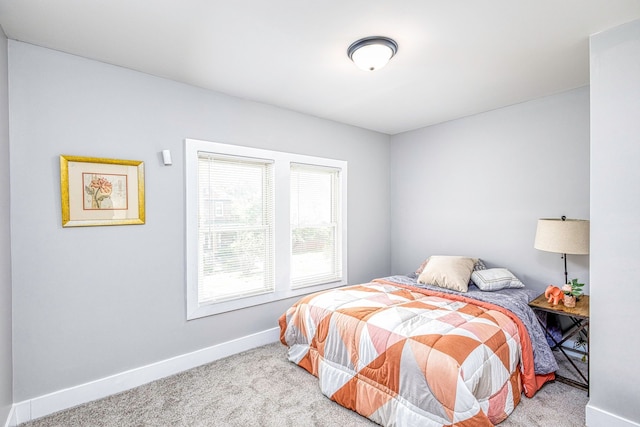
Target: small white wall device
{"points": [[166, 157]]}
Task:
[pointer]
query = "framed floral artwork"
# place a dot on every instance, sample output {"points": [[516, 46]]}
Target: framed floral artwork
{"points": [[96, 191]]}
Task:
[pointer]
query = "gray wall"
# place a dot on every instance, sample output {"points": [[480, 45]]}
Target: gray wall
{"points": [[6, 368], [615, 226], [476, 186], [94, 301]]}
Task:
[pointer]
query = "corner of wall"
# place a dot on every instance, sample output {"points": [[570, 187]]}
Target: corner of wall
{"points": [[12, 418], [6, 322]]}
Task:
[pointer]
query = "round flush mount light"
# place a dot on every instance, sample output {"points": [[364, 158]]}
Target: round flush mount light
{"points": [[372, 53]]}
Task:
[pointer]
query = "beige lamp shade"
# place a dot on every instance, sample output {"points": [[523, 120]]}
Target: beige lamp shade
{"points": [[569, 236]]}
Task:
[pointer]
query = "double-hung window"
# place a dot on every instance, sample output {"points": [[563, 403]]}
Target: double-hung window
{"points": [[315, 225], [261, 226], [235, 227]]}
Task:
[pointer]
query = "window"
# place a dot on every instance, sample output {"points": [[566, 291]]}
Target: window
{"points": [[315, 225], [235, 251], [261, 226]]}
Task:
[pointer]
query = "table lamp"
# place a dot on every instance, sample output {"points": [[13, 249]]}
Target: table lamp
{"points": [[563, 236]]}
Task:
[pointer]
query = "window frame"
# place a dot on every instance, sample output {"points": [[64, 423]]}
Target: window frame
{"points": [[282, 254]]}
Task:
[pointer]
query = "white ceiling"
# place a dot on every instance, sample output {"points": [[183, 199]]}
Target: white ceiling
{"points": [[455, 57]]}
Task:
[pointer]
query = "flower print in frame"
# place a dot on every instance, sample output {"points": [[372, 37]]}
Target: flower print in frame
{"points": [[99, 191]]}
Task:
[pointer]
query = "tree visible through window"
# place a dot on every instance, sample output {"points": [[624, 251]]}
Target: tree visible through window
{"points": [[235, 213]]}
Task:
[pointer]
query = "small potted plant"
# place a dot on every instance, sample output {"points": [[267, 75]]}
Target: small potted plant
{"points": [[572, 291]]}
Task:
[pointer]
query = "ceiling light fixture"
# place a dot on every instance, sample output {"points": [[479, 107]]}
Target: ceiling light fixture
{"points": [[372, 53]]}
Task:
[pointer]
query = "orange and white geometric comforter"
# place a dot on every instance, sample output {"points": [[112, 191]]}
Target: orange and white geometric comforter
{"points": [[403, 358]]}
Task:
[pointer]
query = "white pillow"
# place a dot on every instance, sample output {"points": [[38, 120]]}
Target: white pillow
{"points": [[494, 279], [451, 272], [479, 265]]}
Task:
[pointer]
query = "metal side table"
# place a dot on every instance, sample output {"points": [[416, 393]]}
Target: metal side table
{"points": [[579, 316]]}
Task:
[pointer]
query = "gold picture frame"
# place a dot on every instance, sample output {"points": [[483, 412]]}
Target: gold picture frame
{"points": [[96, 191]]}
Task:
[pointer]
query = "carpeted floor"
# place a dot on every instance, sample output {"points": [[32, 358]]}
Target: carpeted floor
{"points": [[261, 388]]}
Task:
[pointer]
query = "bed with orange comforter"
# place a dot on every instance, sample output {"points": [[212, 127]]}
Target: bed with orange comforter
{"points": [[406, 356]]}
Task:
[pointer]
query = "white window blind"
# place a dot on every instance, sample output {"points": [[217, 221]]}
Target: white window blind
{"points": [[235, 227], [315, 225], [261, 226]]}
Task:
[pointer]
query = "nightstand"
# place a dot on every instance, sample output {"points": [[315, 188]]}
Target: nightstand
{"points": [[579, 316]]}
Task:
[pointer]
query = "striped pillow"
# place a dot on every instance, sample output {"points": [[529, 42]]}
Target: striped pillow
{"points": [[494, 279]]}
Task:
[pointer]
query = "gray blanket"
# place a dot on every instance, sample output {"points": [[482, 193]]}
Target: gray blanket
{"points": [[514, 300]]}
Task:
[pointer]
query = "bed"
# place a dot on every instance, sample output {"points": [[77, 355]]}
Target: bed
{"points": [[415, 350]]}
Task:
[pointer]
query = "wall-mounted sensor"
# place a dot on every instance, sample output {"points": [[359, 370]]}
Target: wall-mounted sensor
{"points": [[166, 157]]}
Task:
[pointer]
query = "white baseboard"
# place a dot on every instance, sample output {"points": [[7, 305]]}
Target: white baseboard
{"points": [[11, 418], [597, 417], [63, 399]]}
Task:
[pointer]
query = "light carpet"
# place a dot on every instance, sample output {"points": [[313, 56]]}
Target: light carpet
{"points": [[260, 387]]}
